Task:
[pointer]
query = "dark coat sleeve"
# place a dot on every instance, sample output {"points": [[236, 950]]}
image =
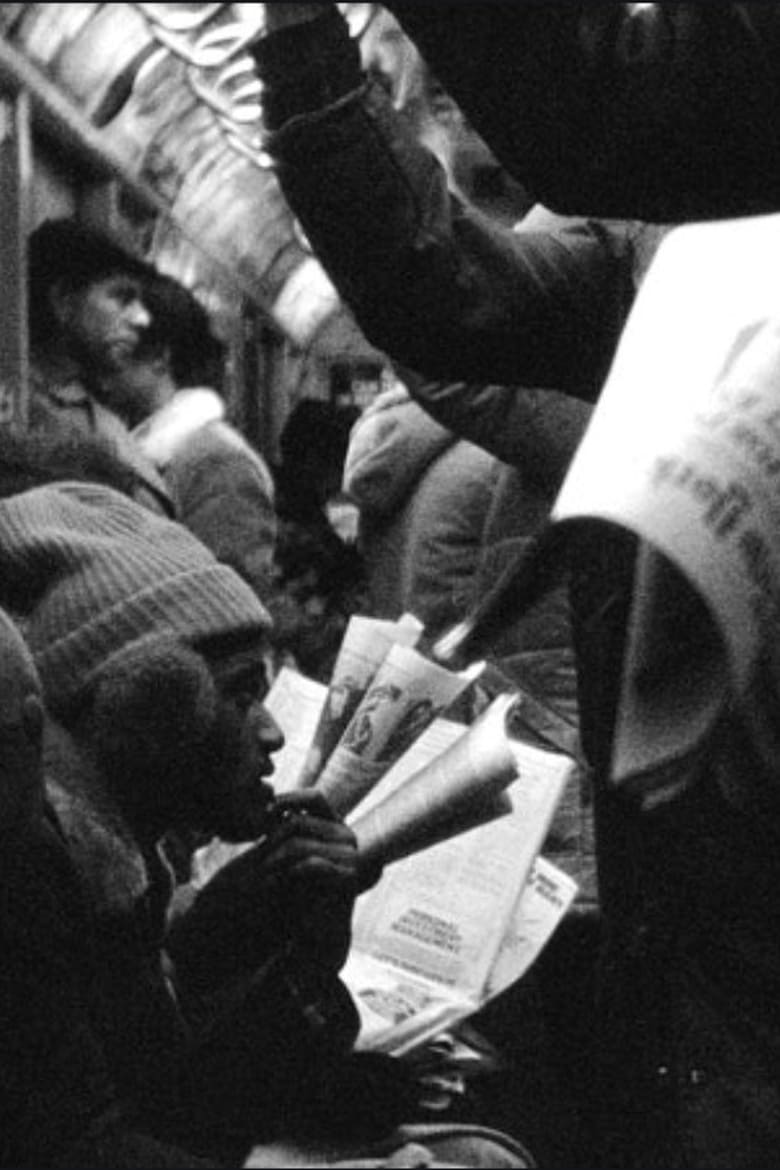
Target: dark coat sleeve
{"points": [[438, 286], [273, 1032], [656, 112]]}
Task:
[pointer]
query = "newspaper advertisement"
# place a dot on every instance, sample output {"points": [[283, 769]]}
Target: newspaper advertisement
{"points": [[442, 913], [400, 1010]]}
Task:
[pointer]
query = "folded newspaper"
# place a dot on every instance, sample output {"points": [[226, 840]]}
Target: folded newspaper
{"points": [[456, 815], [683, 450]]}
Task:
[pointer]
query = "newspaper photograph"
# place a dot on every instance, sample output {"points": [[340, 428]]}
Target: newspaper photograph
{"points": [[364, 647], [408, 692]]}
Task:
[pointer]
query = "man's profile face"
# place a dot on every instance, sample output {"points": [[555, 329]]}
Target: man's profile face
{"points": [[243, 739], [106, 320]]}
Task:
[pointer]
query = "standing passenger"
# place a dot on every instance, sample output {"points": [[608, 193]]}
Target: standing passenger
{"points": [[667, 110]]}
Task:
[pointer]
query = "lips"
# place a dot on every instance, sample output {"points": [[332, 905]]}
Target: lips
{"points": [[124, 346]]}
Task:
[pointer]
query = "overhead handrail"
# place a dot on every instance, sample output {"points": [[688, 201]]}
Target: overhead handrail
{"points": [[213, 41]]}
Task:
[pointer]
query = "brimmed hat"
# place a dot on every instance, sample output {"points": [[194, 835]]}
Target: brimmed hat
{"points": [[88, 572], [72, 254]]}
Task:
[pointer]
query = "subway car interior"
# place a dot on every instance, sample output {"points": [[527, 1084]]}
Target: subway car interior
{"points": [[388, 587]]}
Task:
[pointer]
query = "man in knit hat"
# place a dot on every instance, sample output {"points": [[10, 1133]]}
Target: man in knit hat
{"points": [[125, 1041]]}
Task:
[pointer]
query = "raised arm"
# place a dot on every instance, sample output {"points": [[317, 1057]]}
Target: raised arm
{"points": [[434, 283]]}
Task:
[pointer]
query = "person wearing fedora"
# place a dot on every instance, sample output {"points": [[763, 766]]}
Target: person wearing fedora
{"points": [[86, 318]]}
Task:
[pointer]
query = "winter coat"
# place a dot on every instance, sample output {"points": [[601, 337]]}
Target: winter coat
{"points": [[128, 1040], [68, 410], [222, 489], [59, 1097], [686, 1062], [423, 497]]}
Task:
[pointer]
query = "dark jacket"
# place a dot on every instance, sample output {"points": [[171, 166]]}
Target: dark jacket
{"points": [[686, 1068], [434, 283], [59, 1098], [128, 1041]]}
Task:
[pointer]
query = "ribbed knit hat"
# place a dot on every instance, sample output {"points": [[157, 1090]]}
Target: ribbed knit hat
{"points": [[87, 572]]}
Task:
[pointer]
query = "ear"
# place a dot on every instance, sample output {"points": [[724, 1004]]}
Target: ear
{"points": [[153, 707]]}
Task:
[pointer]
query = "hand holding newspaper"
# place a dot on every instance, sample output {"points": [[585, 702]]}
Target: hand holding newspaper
{"points": [[457, 815]]}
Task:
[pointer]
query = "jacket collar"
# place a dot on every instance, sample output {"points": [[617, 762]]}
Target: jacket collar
{"points": [[162, 434]]}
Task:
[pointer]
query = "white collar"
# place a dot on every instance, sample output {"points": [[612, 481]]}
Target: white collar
{"points": [[162, 434]]}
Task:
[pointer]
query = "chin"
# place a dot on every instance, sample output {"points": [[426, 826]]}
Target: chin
{"points": [[239, 824]]}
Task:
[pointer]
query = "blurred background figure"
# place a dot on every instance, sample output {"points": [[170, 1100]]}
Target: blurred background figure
{"points": [[167, 391], [320, 577], [86, 318], [423, 497]]}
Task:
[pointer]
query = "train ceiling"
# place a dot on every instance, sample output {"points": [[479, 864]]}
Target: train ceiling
{"points": [[169, 92]]}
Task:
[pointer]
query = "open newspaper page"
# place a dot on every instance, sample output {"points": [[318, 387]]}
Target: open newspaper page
{"points": [[442, 928], [684, 451]]}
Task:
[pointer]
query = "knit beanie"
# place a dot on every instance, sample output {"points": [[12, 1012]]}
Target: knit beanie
{"points": [[87, 572]]}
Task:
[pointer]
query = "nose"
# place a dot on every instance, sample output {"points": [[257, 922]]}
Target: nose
{"points": [[138, 315], [269, 733]]}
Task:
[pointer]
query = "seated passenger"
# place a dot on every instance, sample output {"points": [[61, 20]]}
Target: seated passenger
{"points": [[148, 651], [86, 317], [221, 486], [126, 1040]]}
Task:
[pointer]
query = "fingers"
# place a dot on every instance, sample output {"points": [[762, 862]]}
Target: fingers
{"points": [[308, 857], [307, 801]]}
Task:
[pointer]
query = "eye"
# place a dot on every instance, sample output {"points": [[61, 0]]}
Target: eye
{"points": [[244, 700]]}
